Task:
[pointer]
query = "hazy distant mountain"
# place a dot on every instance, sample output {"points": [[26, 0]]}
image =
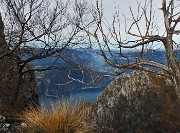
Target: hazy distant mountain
{"points": [[75, 69]]}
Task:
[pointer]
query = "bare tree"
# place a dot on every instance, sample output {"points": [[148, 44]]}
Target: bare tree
{"points": [[33, 24], [30, 30], [143, 33]]}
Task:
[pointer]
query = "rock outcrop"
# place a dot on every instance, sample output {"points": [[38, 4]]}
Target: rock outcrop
{"points": [[139, 102], [17, 91], [6, 127]]}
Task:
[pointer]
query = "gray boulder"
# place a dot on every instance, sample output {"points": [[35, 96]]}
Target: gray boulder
{"points": [[139, 102]]}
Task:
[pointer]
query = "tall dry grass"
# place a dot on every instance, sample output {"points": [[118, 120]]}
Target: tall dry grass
{"points": [[59, 118]]}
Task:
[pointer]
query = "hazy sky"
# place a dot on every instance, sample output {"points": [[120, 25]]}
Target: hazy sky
{"points": [[110, 6]]}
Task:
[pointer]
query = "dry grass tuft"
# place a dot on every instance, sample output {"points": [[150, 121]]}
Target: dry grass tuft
{"points": [[59, 118]]}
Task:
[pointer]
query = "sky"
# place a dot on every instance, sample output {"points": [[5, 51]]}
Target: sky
{"points": [[123, 6], [111, 6]]}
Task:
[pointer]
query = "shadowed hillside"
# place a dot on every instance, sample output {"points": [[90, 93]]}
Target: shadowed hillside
{"points": [[17, 90]]}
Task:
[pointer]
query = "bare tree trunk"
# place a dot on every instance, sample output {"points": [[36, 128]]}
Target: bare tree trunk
{"points": [[3, 45], [168, 43], [172, 63]]}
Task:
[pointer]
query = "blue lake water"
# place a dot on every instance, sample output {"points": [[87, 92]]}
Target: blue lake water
{"points": [[74, 96]]}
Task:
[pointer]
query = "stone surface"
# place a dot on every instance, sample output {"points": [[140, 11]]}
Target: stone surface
{"points": [[4, 127], [24, 125], [7, 127], [139, 102], [2, 119]]}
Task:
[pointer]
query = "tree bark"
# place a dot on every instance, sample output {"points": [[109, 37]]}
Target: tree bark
{"points": [[172, 63], [3, 44]]}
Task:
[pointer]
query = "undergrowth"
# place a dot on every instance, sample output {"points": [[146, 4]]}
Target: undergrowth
{"points": [[61, 117]]}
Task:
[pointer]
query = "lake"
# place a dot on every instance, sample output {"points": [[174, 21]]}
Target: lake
{"points": [[74, 96]]}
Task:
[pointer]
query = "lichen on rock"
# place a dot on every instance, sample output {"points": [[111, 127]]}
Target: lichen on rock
{"points": [[138, 102]]}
